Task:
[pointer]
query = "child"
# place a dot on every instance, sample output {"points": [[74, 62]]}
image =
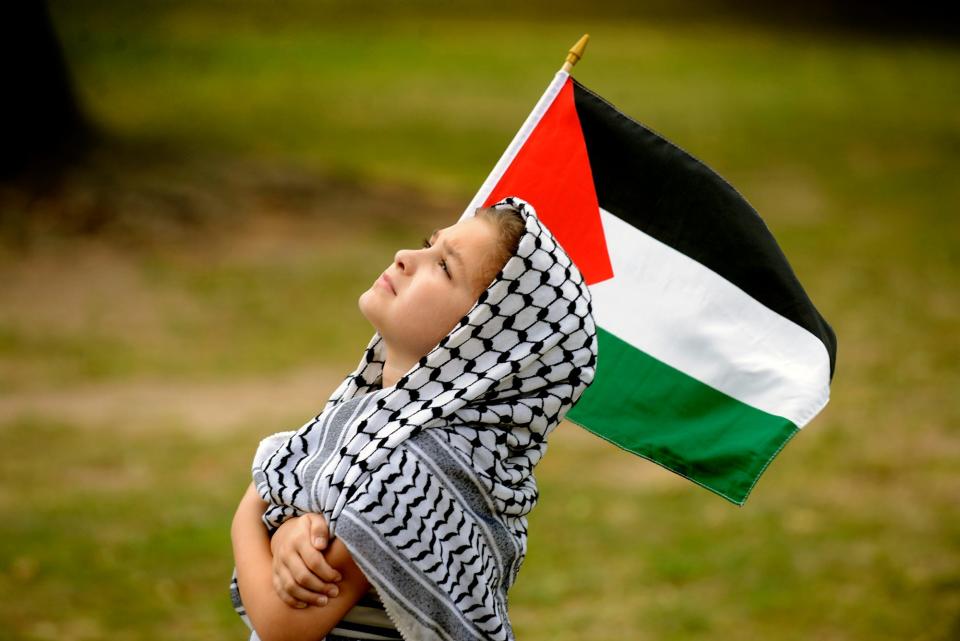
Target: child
{"points": [[421, 461]]}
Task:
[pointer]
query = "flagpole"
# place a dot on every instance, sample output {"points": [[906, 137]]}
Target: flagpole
{"points": [[553, 89], [575, 53]]}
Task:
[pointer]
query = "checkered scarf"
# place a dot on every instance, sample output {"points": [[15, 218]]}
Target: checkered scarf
{"points": [[430, 482]]}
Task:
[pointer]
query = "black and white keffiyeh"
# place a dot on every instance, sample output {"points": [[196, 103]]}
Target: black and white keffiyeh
{"points": [[429, 482]]}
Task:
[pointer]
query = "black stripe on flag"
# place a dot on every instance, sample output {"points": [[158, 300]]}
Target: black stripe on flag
{"points": [[660, 189]]}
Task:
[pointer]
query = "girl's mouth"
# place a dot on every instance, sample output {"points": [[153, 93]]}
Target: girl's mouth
{"points": [[384, 280]]}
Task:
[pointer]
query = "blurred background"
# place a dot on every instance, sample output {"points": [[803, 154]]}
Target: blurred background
{"points": [[195, 193]]}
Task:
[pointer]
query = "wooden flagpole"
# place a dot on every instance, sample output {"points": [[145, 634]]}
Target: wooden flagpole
{"points": [[575, 53]]}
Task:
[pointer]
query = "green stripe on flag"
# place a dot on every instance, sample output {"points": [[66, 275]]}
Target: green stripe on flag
{"points": [[691, 428]]}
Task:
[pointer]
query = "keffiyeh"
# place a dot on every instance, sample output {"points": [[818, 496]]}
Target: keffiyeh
{"points": [[429, 482]]}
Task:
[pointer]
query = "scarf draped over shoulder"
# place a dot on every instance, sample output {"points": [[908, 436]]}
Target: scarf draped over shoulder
{"points": [[429, 482]]}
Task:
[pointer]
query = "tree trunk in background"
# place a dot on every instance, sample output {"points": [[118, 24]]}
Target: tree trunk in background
{"points": [[43, 127]]}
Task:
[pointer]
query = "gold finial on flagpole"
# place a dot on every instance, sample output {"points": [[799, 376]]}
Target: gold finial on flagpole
{"points": [[575, 53]]}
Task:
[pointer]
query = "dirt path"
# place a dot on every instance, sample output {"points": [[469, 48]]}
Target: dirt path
{"points": [[162, 403]]}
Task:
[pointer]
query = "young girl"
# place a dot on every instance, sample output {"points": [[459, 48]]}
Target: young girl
{"points": [[420, 464]]}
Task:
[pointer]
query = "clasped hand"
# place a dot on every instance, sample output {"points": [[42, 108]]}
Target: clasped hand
{"points": [[301, 575]]}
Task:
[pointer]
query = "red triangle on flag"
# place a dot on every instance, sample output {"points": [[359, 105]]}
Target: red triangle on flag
{"points": [[552, 172]]}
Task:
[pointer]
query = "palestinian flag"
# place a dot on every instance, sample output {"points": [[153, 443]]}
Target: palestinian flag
{"points": [[711, 356]]}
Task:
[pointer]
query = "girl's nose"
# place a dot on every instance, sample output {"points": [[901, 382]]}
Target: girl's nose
{"points": [[404, 259]]}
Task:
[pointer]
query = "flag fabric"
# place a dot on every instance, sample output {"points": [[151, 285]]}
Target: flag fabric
{"points": [[711, 356]]}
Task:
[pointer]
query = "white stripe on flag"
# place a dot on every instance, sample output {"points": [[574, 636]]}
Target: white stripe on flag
{"points": [[549, 95], [676, 310]]}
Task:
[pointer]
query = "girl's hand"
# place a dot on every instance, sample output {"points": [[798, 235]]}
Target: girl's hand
{"points": [[301, 574]]}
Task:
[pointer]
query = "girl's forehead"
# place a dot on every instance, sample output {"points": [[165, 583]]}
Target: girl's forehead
{"points": [[466, 230], [460, 224]]}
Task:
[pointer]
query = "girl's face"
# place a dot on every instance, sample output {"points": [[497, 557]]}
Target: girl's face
{"points": [[426, 291]]}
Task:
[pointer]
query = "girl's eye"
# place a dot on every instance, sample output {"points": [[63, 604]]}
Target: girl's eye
{"points": [[426, 244]]}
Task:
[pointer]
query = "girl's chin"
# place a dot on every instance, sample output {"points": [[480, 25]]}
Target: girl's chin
{"points": [[371, 314], [364, 311]]}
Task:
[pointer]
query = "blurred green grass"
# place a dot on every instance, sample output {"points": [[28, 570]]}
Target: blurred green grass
{"points": [[849, 148], [435, 100]]}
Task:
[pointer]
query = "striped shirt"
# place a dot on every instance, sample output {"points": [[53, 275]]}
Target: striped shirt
{"points": [[366, 620]]}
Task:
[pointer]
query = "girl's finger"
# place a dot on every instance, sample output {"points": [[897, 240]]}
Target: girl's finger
{"points": [[318, 531], [305, 596], [285, 597], [317, 564], [304, 576], [294, 569]]}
